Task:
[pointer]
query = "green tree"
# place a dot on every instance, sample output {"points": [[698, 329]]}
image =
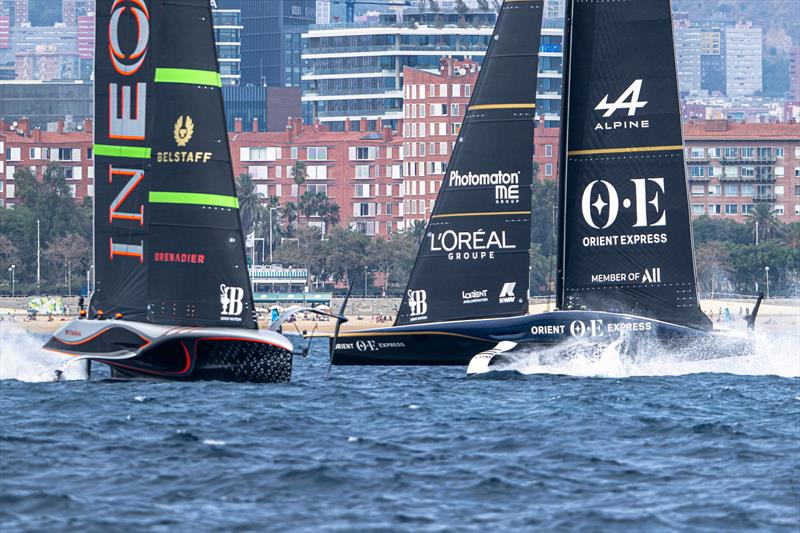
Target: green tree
{"points": [[251, 212], [713, 266], [763, 221], [69, 253], [299, 174], [706, 229], [290, 212]]}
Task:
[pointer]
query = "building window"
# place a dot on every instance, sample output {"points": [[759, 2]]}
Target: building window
{"points": [[731, 209], [797, 190], [362, 171], [731, 172], [456, 90], [317, 188], [714, 190], [697, 153], [317, 153], [697, 171], [748, 172], [548, 150], [317, 172], [714, 209], [747, 189], [548, 169], [467, 90], [698, 190], [363, 153], [293, 152], [362, 190], [698, 209], [779, 153], [779, 209], [797, 172], [747, 208], [454, 111], [778, 172], [731, 189]]}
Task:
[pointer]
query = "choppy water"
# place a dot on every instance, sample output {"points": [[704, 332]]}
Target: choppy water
{"points": [[406, 449]]}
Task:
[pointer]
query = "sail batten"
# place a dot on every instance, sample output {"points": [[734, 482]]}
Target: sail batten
{"points": [[474, 258], [626, 235]]}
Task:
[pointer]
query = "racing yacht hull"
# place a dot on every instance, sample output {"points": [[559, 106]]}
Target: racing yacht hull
{"points": [[137, 350], [457, 342]]}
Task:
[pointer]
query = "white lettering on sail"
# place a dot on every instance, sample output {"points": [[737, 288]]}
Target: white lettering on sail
{"points": [[468, 245], [632, 93], [231, 300], [134, 178], [417, 302], [122, 124], [599, 205], [593, 209], [642, 202], [506, 184]]}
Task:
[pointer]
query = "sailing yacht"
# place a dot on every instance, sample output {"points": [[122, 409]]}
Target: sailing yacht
{"points": [[172, 296], [625, 256]]}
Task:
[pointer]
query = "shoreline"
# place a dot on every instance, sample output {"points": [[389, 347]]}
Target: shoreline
{"points": [[780, 314]]}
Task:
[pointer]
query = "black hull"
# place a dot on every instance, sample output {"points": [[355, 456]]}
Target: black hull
{"points": [[456, 343], [136, 350]]}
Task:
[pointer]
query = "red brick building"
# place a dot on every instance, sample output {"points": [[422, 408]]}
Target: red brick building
{"points": [[731, 166], [35, 149], [359, 170], [434, 105]]}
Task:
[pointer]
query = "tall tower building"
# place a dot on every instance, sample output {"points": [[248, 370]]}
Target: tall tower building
{"points": [[794, 75], [16, 10], [69, 13], [743, 60], [271, 42]]}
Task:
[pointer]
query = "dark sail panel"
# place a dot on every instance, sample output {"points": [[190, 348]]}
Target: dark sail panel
{"points": [[473, 261], [626, 243], [196, 259], [124, 70]]}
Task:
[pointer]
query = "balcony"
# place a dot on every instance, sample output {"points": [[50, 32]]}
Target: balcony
{"points": [[766, 159], [699, 179], [764, 197]]}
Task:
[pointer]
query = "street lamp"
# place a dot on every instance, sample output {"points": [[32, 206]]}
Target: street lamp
{"points": [[766, 269], [11, 269], [271, 209]]}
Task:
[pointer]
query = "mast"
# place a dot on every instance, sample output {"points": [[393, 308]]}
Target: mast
{"points": [[566, 51]]}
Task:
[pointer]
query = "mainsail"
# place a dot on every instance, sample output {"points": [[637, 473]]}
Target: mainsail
{"points": [[626, 244], [473, 261], [168, 240]]}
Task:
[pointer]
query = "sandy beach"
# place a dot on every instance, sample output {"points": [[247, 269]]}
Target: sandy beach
{"points": [[774, 315]]}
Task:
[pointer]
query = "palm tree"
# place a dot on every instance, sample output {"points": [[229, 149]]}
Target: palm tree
{"points": [[763, 220], [791, 235], [250, 208], [290, 212], [329, 211], [299, 174]]}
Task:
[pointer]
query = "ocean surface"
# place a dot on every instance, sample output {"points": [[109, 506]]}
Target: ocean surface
{"points": [[597, 446]]}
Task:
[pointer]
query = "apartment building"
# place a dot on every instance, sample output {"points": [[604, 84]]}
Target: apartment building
{"points": [[733, 166], [24, 147], [359, 170]]}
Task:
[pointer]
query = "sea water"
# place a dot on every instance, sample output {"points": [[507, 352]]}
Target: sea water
{"points": [[593, 445]]}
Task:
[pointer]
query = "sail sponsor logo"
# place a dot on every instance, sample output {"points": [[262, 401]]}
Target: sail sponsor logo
{"points": [[179, 257], [600, 203], [368, 345], [624, 240], [649, 275], [469, 245], [475, 297], [628, 100], [506, 184], [183, 131], [127, 111], [507, 292], [418, 303], [231, 300]]}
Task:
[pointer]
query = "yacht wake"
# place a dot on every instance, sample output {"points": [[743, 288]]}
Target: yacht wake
{"points": [[777, 355], [22, 358]]}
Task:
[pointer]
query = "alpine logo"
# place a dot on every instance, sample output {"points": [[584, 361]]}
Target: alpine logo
{"points": [[507, 292], [231, 300], [628, 100], [417, 301]]}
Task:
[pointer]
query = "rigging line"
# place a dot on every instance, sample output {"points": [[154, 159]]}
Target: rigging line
{"points": [[634, 149], [485, 214]]}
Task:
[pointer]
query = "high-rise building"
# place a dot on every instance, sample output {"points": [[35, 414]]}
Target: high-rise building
{"points": [[554, 9], [355, 71], [228, 37], [16, 10], [69, 15], [271, 42], [5, 32], [743, 60], [794, 75]]}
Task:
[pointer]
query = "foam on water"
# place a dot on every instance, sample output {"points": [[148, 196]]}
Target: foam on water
{"points": [[23, 358], [776, 355]]}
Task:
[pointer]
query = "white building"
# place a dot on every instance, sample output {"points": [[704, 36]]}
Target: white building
{"points": [[743, 60]]}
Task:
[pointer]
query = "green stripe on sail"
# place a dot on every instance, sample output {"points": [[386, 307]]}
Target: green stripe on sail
{"points": [[133, 152], [188, 76], [193, 198]]}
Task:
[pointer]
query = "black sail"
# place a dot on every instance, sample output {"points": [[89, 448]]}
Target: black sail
{"points": [[192, 262], [474, 259], [626, 244]]}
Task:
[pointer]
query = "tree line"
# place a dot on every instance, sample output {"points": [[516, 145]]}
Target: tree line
{"points": [[731, 257]]}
